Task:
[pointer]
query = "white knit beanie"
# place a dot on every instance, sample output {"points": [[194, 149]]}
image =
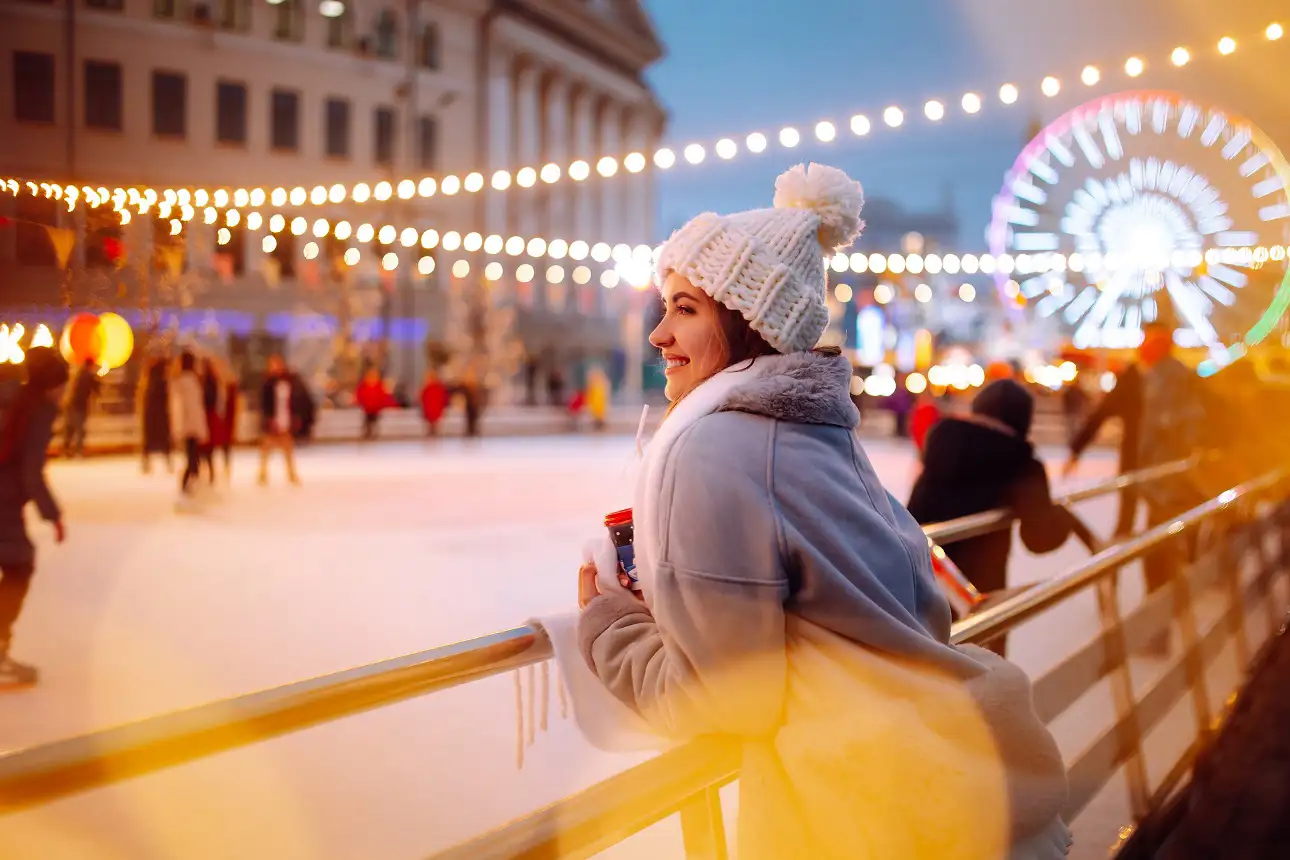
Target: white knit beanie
{"points": [[768, 264]]}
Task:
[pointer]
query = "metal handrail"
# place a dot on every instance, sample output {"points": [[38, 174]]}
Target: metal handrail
{"points": [[623, 802], [39, 774]]}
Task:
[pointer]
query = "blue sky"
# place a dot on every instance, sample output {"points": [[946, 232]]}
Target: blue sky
{"points": [[735, 66]]}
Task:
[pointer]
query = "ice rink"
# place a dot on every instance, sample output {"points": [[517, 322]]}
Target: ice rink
{"points": [[384, 550]]}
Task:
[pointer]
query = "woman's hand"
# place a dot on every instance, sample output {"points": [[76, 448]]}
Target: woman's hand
{"points": [[589, 588]]}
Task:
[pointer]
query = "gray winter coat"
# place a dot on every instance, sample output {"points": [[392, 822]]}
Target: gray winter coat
{"points": [[793, 606], [22, 479]]}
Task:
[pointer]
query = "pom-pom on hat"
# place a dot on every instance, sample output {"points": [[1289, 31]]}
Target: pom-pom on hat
{"points": [[768, 264]]}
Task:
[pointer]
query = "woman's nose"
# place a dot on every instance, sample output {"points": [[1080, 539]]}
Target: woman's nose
{"points": [[660, 337]]}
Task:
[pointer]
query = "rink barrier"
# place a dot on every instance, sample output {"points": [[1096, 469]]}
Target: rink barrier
{"points": [[44, 773], [687, 780]]}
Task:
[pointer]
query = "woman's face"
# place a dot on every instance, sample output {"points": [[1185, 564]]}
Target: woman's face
{"points": [[688, 336]]}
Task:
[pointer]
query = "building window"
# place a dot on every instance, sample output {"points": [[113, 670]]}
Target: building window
{"points": [[337, 130], [169, 104], [383, 146], [102, 95], [106, 5], [428, 143], [33, 86], [285, 120], [166, 9], [234, 250], [285, 253], [289, 24], [428, 46], [230, 112], [387, 35], [235, 14], [338, 30]]}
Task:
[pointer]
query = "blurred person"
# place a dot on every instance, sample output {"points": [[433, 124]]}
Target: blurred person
{"points": [[213, 394], [80, 397], [228, 415], [154, 414], [372, 397], [555, 386], [304, 408], [901, 403], [1075, 403], [434, 400], [279, 418], [597, 397], [787, 602], [25, 430], [924, 417], [188, 419], [982, 461], [1124, 402], [472, 396]]}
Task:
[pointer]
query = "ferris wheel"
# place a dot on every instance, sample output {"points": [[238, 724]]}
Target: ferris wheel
{"points": [[1145, 206]]}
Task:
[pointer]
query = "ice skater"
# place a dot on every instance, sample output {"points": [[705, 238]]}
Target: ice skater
{"points": [[24, 437], [278, 418], [154, 414], [188, 418]]}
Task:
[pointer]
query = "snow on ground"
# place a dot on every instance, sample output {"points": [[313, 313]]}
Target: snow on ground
{"points": [[384, 550]]}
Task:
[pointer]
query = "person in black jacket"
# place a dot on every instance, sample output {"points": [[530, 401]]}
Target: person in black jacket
{"points": [[982, 461], [24, 436]]}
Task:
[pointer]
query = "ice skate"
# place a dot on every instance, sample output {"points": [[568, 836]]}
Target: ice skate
{"points": [[15, 675]]}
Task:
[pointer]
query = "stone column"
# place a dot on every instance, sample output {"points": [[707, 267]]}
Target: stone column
{"points": [[500, 113], [526, 146], [585, 216]]}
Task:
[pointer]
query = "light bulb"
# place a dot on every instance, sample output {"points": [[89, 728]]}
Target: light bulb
{"points": [[1134, 66], [1008, 94]]}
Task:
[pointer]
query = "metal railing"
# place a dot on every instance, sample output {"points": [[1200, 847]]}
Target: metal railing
{"points": [[682, 781], [687, 780]]}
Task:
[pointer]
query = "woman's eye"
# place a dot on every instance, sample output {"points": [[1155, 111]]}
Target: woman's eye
{"points": [[684, 310]]}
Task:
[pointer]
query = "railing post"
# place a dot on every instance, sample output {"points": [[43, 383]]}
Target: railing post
{"points": [[1193, 660], [1232, 557], [702, 828], [1108, 608]]}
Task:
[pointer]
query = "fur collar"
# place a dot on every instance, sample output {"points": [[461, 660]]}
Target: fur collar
{"points": [[802, 387]]}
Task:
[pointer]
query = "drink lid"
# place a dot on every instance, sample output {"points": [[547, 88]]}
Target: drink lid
{"points": [[618, 518]]}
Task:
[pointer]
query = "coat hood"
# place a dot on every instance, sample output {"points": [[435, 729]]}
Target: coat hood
{"points": [[974, 448], [802, 387]]}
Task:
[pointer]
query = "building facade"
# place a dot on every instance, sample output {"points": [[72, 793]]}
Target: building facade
{"points": [[254, 96]]}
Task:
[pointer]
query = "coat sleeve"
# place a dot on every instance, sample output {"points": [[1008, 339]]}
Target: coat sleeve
{"points": [[1113, 405], [710, 656], [1044, 525], [34, 485]]}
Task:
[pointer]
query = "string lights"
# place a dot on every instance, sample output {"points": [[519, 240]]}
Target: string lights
{"points": [[606, 165]]}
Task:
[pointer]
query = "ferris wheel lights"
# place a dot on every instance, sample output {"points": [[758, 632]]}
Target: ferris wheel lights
{"points": [[756, 142], [1134, 66], [726, 148], [1090, 76], [934, 110], [1050, 86], [1275, 31], [1008, 94], [825, 131], [788, 137], [664, 159], [971, 102], [893, 116], [694, 152], [1226, 45], [1180, 57]]}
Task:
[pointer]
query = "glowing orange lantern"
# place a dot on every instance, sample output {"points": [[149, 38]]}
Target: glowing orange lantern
{"points": [[82, 339]]}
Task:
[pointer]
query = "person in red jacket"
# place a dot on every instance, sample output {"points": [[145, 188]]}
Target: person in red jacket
{"points": [[372, 398], [925, 415], [434, 400]]}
